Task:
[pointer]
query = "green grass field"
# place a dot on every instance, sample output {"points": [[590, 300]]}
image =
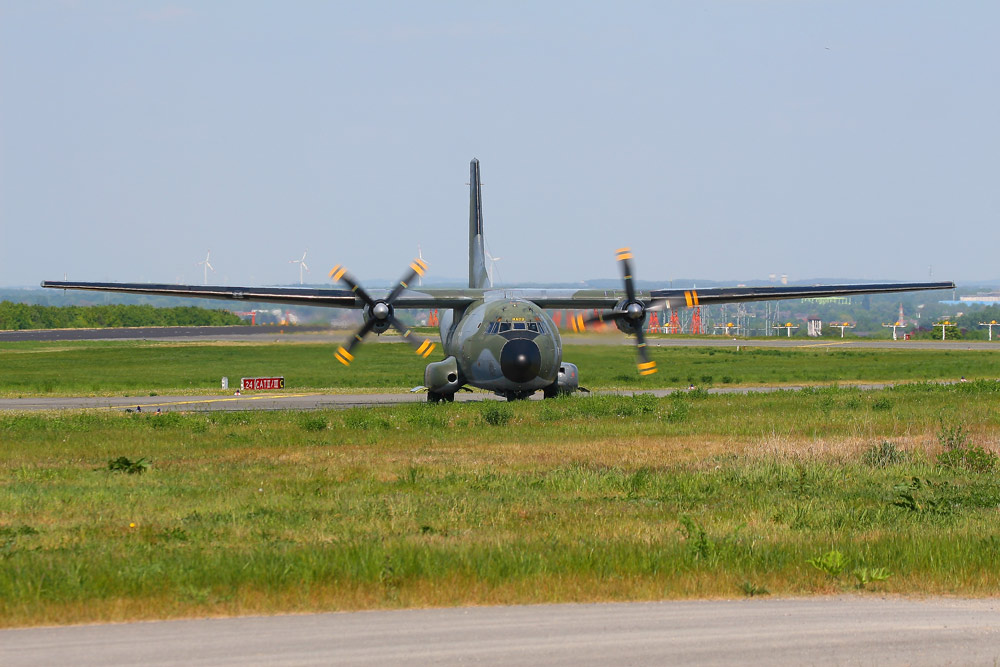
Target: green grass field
{"points": [[141, 367], [574, 499]]}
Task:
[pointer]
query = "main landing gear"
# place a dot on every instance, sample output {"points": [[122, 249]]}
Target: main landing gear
{"points": [[435, 397]]}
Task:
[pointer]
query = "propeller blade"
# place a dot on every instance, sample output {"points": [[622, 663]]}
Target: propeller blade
{"points": [[380, 313], [623, 256], [634, 313], [645, 365], [423, 346], [579, 322], [417, 268], [343, 354], [339, 273]]}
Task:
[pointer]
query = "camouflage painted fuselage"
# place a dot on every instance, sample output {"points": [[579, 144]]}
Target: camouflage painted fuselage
{"points": [[506, 345]]}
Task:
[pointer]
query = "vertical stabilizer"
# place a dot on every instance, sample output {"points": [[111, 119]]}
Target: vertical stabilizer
{"points": [[477, 251]]}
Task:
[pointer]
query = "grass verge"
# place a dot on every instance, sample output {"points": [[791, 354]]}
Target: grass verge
{"points": [[576, 499]]}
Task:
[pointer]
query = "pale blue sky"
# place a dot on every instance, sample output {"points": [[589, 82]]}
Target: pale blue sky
{"points": [[722, 140]]}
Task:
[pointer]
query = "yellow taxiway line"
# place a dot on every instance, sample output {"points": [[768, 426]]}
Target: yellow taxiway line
{"points": [[211, 400]]}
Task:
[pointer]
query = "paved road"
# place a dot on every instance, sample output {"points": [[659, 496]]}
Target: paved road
{"points": [[812, 631]]}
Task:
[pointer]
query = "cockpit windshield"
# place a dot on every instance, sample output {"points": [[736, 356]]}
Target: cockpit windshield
{"points": [[497, 326]]}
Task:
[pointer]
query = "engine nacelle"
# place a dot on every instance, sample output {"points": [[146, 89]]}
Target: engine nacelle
{"points": [[627, 325], [381, 326], [442, 377], [568, 380]]}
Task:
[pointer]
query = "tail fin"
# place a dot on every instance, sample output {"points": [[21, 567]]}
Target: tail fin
{"points": [[477, 251]]}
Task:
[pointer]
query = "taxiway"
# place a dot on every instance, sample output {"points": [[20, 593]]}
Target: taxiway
{"points": [[850, 630]]}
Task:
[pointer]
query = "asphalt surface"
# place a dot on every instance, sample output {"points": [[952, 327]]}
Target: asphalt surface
{"points": [[810, 631], [303, 401]]}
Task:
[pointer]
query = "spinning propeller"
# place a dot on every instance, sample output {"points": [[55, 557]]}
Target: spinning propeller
{"points": [[629, 315], [379, 314]]}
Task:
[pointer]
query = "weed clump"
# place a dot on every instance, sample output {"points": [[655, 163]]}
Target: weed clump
{"points": [[128, 466], [958, 454], [496, 414], [363, 420], [313, 423], [952, 437], [972, 458], [679, 409], [426, 415], [751, 589], [701, 545], [921, 496], [617, 406], [882, 404], [885, 454], [868, 575], [832, 563]]}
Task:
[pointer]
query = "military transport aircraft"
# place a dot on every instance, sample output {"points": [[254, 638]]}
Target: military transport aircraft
{"points": [[497, 339]]}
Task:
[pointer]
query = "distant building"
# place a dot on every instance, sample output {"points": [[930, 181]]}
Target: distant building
{"points": [[828, 299], [987, 298]]}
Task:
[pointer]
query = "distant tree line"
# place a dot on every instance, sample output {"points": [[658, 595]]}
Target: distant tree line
{"points": [[15, 316]]}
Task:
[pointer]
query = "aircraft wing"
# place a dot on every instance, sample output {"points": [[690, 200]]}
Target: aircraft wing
{"points": [[679, 298], [461, 297], [328, 298]]}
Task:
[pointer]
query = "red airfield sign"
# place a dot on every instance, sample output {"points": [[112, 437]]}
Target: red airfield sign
{"points": [[248, 384]]}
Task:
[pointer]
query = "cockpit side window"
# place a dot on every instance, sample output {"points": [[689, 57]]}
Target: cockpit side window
{"points": [[533, 326]]}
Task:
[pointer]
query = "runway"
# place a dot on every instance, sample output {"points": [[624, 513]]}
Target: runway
{"points": [[312, 401], [855, 630]]}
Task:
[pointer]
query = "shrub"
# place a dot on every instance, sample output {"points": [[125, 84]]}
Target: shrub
{"points": [[972, 458], [952, 437]]}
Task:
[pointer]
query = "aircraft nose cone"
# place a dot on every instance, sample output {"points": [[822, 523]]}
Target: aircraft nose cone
{"points": [[520, 360]]}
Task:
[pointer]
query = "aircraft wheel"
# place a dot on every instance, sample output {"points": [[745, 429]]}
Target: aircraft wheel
{"points": [[551, 391], [435, 397]]}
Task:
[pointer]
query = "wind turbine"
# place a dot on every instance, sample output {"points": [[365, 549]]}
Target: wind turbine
{"points": [[491, 269], [302, 265], [207, 266]]}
